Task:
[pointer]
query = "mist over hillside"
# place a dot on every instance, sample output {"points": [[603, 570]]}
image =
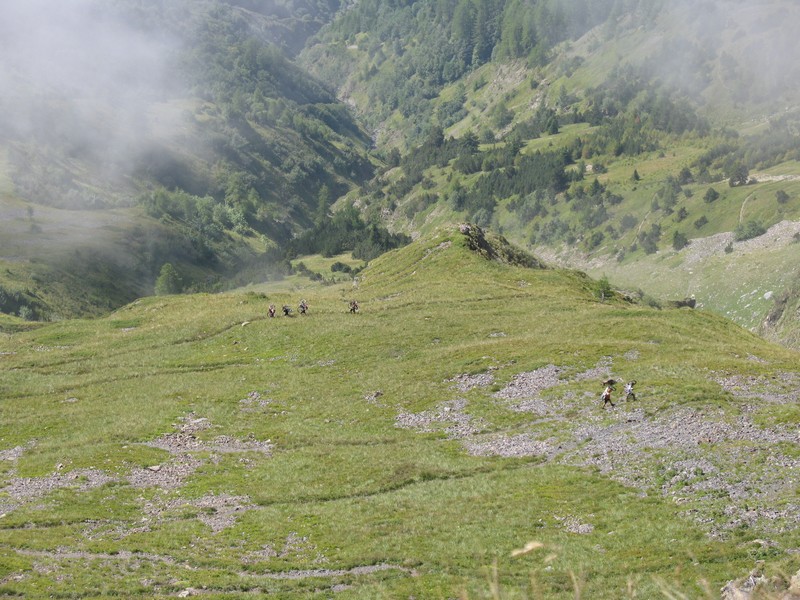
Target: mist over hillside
{"points": [[119, 86], [185, 117], [397, 59], [232, 136], [742, 49], [79, 84]]}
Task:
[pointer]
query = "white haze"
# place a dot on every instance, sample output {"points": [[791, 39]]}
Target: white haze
{"points": [[74, 74], [77, 77], [74, 46], [726, 50]]}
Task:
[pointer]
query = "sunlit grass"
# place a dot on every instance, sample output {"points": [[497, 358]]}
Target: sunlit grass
{"points": [[343, 487]]}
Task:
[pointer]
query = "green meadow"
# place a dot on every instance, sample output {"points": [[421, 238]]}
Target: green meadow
{"points": [[446, 441]]}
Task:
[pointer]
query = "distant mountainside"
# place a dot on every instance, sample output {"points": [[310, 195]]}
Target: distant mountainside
{"points": [[186, 119], [182, 94], [289, 23], [615, 136], [398, 62], [609, 136]]}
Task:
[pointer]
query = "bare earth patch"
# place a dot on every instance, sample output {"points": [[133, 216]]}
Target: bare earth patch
{"points": [[254, 400], [24, 489], [525, 390], [361, 570], [573, 524], [448, 417], [13, 454], [465, 382], [183, 445], [187, 454], [216, 511], [516, 446], [706, 459], [59, 561]]}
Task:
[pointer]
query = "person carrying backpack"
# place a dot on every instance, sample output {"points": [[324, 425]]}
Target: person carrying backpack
{"points": [[629, 395], [606, 395]]}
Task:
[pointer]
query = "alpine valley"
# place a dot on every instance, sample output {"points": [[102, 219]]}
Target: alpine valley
{"points": [[491, 208]]}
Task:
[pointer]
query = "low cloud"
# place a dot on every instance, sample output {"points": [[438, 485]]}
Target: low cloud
{"points": [[80, 78]]}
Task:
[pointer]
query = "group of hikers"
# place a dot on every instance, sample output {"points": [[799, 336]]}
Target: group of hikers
{"points": [[302, 308], [609, 384], [609, 388]]}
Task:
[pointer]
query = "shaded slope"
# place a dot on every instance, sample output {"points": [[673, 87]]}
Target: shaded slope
{"points": [[186, 108]]}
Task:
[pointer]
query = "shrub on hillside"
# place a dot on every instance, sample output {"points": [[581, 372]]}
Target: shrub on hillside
{"points": [[603, 289], [168, 281], [628, 222], [711, 195], [341, 267], [594, 240], [649, 239], [749, 230]]}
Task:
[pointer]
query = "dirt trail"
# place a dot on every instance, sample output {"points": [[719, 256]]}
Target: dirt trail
{"points": [[741, 210]]}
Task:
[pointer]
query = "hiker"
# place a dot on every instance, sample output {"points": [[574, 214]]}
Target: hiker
{"points": [[629, 395], [606, 396], [287, 310], [271, 311], [353, 306], [302, 307]]}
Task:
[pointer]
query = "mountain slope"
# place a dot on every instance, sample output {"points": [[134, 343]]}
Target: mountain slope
{"points": [[608, 135], [634, 131], [191, 442], [185, 111], [395, 61]]}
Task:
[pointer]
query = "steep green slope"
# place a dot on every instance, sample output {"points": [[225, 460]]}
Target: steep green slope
{"points": [[609, 136], [396, 61], [289, 23], [185, 111], [191, 444]]}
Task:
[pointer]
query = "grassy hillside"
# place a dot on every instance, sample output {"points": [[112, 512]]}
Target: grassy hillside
{"points": [[192, 138], [170, 132], [645, 107], [191, 445], [737, 278]]}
